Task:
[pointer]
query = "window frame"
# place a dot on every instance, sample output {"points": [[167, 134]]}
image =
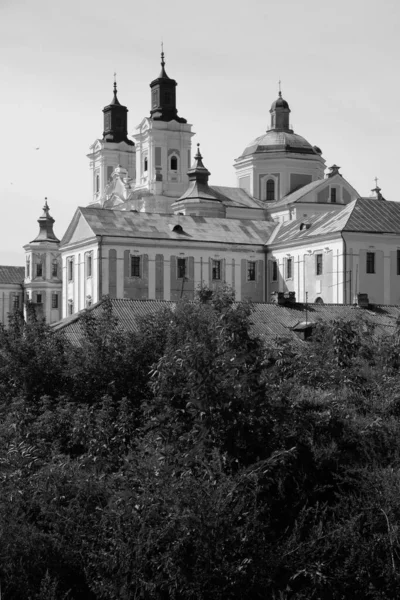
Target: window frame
{"points": [[136, 269], [54, 267], [398, 262], [171, 158], [16, 301], [54, 300], [70, 307], [333, 195], [28, 266], [89, 265], [370, 266], [319, 261], [39, 299], [39, 269], [216, 269]]}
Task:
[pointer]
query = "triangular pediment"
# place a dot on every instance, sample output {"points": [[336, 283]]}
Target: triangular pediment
{"points": [[77, 231]]}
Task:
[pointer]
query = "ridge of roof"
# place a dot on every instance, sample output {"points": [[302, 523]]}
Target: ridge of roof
{"points": [[297, 194]]}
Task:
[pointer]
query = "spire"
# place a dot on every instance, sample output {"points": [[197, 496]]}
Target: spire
{"points": [[377, 190], [163, 96], [198, 171], [115, 99], [46, 222]]}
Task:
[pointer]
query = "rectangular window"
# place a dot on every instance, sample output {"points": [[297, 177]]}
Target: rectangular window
{"points": [[54, 268], [28, 267], [318, 264], [333, 195], [135, 266], [181, 268], [38, 298], [39, 269], [89, 265], [216, 270], [289, 268], [70, 268], [16, 302], [398, 262], [370, 262], [251, 271], [70, 307], [54, 301], [275, 271]]}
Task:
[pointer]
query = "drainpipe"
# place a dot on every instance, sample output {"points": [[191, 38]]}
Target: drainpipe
{"points": [[100, 262], [344, 269]]}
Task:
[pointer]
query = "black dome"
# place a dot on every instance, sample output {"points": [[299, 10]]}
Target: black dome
{"points": [[279, 103]]}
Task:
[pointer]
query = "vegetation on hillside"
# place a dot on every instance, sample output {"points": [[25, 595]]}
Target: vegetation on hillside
{"points": [[188, 461]]}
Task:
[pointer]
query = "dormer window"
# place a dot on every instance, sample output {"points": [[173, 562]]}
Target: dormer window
{"points": [[270, 190], [173, 163], [333, 195]]}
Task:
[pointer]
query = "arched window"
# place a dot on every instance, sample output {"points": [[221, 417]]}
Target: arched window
{"points": [[270, 189], [145, 164], [174, 163], [319, 300]]}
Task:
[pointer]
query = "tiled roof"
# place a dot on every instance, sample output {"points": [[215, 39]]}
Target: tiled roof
{"points": [[366, 215], [237, 197], [161, 227], [297, 195], [269, 321], [12, 274]]}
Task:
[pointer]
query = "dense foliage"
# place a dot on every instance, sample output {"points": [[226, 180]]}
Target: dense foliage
{"points": [[190, 461]]}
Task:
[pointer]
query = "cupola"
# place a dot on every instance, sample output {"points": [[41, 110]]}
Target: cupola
{"points": [[280, 112], [163, 97], [46, 222], [116, 120]]}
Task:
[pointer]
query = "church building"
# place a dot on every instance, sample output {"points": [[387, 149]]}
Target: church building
{"points": [[155, 226]]}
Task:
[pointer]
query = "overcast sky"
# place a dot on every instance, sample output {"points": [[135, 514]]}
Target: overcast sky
{"points": [[338, 62]]}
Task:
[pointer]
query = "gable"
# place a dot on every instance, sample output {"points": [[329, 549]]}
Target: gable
{"points": [[78, 230]]}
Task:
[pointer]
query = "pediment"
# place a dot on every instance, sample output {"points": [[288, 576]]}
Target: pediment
{"points": [[77, 231]]}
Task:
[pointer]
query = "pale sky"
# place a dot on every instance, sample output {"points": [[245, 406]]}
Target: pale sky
{"points": [[338, 62]]}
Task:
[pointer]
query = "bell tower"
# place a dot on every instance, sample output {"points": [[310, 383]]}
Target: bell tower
{"points": [[113, 150], [163, 142]]}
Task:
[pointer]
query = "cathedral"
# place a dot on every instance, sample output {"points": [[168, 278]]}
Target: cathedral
{"points": [[155, 226]]}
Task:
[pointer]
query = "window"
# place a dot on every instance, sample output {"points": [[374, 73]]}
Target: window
{"points": [[28, 266], [16, 302], [398, 262], [370, 262], [38, 298], [318, 264], [333, 195], [289, 265], [174, 163], [181, 268], [167, 97], [145, 164], [274, 271], [97, 184], [216, 270], [54, 268], [89, 265], [88, 301], [39, 269], [251, 271], [70, 268], [270, 189], [54, 300], [70, 307], [135, 266]]}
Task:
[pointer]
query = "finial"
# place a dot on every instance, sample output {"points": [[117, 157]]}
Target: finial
{"points": [[376, 182], [46, 206], [115, 83], [162, 54], [280, 91], [198, 154]]}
